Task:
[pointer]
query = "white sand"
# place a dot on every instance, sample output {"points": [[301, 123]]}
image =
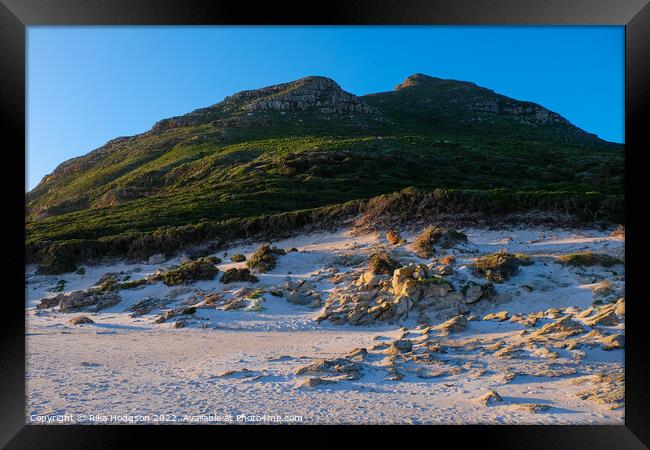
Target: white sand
{"points": [[122, 365]]}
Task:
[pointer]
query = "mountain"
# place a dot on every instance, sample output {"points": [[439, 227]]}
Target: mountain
{"points": [[309, 143]]}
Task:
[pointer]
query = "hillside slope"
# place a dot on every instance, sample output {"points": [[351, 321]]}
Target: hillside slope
{"points": [[308, 143]]}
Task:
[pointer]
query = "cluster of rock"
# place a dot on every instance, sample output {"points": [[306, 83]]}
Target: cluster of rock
{"points": [[412, 288], [302, 292], [92, 300]]}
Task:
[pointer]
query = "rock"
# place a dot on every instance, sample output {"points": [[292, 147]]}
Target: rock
{"points": [[613, 341], [351, 370], [157, 259], [421, 271], [175, 312], [620, 307], [491, 397], [399, 346], [586, 313], [87, 299], [559, 330], [369, 280], [445, 269], [312, 382], [455, 324], [180, 323], [529, 321], [80, 320], [606, 318], [49, 302], [393, 237], [499, 316], [473, 293], [403, 272], [532, 407], [147, 305], [185, 258]]}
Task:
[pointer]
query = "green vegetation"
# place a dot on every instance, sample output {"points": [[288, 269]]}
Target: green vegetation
{"points": [[429, 237], [589, 259], [265, 258], [238, 258], [238, 275], [500, 266], [382, 263], [201, 269], [221, 173], [59, 287]]}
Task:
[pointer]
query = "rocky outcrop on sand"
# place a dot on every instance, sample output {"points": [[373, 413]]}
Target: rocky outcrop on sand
{"points": [[412, 289]]}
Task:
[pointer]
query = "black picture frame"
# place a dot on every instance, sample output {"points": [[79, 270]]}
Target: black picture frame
{"points": [[16, 15]]}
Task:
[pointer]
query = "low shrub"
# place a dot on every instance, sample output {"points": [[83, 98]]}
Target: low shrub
{"points": [[238, 258], [265, 258], [238, 275], [500, 266], [429, 237], [581, 259], [382, 263], [201, 269]]}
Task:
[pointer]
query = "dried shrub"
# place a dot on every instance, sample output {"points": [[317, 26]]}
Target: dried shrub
{"points": [[431, 236], [382, 263], [500, 266]]}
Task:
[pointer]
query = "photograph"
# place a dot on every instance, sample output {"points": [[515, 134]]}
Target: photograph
{"points": [[325, 224]]}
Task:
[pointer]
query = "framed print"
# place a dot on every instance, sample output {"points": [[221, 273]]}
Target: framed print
{"points": [[414, 216]]}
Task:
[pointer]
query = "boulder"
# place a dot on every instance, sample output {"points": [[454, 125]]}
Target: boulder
{"points": [[399, 346], [490, 398], [473, 293], [455, 324], [498, 316], [157, 259], [393, 237], [80, 320], [605, 318], [620, 307]]}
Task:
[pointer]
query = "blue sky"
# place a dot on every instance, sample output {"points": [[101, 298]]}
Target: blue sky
{"points": [[87, 85]]}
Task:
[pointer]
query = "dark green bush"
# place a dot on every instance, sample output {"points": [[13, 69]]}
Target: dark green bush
{"points": [[201, 269], [589, 259], [238, 275], [238, 258]]}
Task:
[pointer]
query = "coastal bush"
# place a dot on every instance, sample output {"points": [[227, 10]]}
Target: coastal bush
{"points": [[238, 258], [201, 269], [589, 259], [265, 258], [238, 275], [500, 266], [382, 263], [430, 236]]}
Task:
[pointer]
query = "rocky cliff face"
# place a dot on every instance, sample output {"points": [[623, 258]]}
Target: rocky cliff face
{"points": [[311, 94]]}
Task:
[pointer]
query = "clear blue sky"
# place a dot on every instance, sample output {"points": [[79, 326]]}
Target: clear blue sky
{"points": [[87, 85]]}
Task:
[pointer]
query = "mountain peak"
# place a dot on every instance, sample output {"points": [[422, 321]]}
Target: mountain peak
{"points": [[416, 79]]}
